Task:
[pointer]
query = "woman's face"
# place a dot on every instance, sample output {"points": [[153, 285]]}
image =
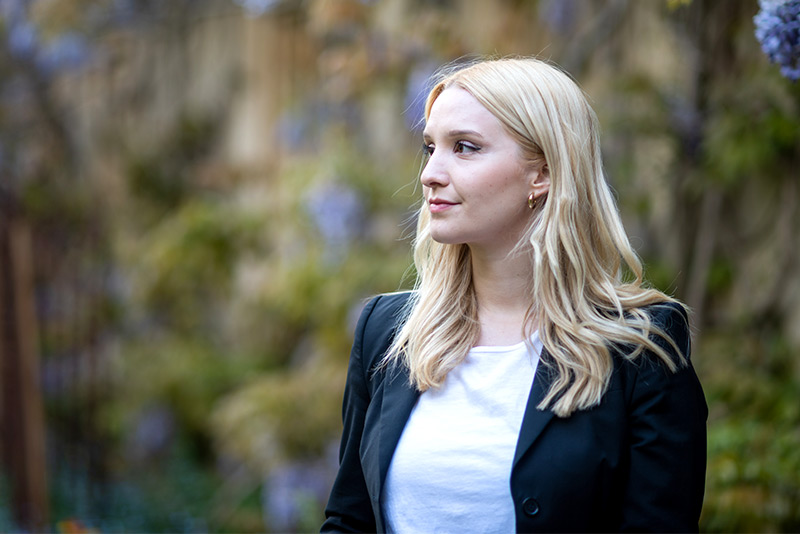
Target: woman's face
{"points": [[476, 183]]}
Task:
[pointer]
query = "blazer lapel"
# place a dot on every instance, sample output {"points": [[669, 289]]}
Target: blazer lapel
{"points": [[399, 398], [534, 421]]}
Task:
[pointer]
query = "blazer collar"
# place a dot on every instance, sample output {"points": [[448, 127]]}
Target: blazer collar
{"points": [[535, 420], [399, 398]]}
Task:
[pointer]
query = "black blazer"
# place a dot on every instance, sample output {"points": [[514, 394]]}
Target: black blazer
{"points": [[635, 462]]}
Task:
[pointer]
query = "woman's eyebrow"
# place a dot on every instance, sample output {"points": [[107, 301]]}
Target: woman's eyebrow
{"points": [[454, 133]]}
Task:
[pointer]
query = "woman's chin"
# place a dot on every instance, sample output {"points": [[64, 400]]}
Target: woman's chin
{"points": [[446, 239]]}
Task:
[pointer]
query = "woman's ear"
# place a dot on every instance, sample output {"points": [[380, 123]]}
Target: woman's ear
{"points": [[540, 179]]}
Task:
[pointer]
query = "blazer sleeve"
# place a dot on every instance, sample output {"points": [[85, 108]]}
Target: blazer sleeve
{"points": [[667, 417], [349, 507]]}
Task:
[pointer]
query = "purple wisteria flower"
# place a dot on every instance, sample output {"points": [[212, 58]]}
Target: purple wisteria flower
{"points": [[417, 88], [338, 214], [25, 42], [778, 31]]}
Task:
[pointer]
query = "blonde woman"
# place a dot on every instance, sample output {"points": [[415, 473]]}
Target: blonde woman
{"points": [[526, 384]]}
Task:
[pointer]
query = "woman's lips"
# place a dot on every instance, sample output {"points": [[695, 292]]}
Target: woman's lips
{"points": [[438, 206]]}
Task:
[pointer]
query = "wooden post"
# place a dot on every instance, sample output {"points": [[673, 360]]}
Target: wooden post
{"points": [[23, 431]]}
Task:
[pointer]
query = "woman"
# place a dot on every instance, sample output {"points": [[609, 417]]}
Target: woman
{"points": [[525, 384]]}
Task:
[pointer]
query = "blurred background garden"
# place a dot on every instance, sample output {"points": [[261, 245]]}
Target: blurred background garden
{"points": [[196, 197]]}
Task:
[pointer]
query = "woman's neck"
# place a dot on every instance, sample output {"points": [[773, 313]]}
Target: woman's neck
{"points": [[501, 285]]}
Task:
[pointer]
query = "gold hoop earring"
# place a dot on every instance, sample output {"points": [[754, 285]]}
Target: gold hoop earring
{"points": [[531, 201]]}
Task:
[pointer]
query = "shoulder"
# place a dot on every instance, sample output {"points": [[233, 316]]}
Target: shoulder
{"points": [[671, 331], [385, 309], [668, 332], [665, 323], [378, 323], [668, 315]]}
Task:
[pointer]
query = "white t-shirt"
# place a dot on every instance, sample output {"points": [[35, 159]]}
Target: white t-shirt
{"points": [[451, 469]]}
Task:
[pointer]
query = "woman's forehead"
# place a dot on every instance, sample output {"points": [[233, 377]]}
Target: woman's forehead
{"points": [[456, 109]]}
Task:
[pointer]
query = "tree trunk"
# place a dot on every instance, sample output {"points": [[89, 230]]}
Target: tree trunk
{"points": [[23, 432]]}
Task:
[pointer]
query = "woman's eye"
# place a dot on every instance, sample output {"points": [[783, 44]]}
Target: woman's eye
{"points": [[427, 150], [463, 147]]}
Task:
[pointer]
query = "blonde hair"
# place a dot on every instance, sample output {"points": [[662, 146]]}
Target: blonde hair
{"points": [[580, 302]]}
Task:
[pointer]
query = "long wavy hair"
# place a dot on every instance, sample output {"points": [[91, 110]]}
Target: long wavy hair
{"points": [[582, 300]]}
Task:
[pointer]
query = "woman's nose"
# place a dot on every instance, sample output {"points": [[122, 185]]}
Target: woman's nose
{"points": [[434, 174]]}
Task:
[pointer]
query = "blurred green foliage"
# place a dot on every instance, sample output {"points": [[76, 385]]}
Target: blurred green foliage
{"points": [[752, 387], [753, 135], [241, 317]]}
